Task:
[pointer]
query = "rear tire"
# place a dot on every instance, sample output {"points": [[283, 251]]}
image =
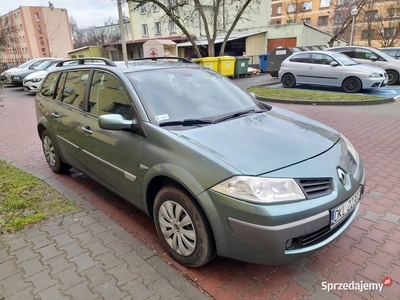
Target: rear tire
{"points": [[393, 77], [183, 227], [288, 81], [52, 157], [352, 85]]}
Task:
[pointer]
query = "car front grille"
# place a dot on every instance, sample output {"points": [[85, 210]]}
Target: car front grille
{"points": [[314, 188]]}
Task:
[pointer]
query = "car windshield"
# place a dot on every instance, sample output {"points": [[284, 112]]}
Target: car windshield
{"points": [[190, 95], [343, 59], [383, 54], [27, 63], [45, 65]]}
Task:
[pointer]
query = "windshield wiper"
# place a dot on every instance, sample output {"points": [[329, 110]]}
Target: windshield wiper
{"points": [[186, 122], [238, 114]]}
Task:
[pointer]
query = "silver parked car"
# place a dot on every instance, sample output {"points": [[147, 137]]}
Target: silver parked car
{"points": [[373, 57], [330, 69]]}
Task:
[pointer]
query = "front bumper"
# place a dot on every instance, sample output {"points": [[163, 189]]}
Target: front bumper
{"points": [[31, 87], [260, 233]]}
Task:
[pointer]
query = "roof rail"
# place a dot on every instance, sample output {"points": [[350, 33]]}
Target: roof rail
{"points": [[182, 59], [82, 60]]}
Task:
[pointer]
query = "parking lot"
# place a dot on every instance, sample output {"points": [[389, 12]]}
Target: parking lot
{"points": [[367, 252]]}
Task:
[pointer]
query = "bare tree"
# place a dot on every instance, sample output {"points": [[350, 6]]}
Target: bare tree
{"points": [[388, 25], [211, 18], [342, 18]]}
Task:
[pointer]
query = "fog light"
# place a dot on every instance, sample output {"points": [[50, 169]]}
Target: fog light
{"points": [[289, 244]]}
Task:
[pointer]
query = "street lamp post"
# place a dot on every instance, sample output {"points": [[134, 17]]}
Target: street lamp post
{"points": [[354, 13]]}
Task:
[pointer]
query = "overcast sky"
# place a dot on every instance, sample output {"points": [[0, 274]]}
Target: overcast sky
{"points": [[85, 12]]}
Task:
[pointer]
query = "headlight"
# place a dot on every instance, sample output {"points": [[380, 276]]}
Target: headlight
{"points": [[260, 190], [16, 77], [351, 149], [37, 79], [375, 75]]}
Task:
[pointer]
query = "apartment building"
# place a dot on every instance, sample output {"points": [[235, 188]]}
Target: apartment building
{"points": [[35, 31], [377, 23]]}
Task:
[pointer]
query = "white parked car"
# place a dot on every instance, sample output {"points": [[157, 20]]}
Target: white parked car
{"points": [[330, 69], [32, 81]]}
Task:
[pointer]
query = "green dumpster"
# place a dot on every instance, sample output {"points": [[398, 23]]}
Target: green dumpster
{"points": [[241, 66]]}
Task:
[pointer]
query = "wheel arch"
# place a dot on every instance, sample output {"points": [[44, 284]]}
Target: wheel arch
{"points": [[352, 76]]}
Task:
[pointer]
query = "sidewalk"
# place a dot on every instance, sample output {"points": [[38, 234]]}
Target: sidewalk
{"points": [[84, 255]]}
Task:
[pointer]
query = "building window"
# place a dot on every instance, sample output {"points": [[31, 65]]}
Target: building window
{"points": [[39, 29], [306, 20], [41, 41], [323, 20], [143, 9], [291, 8], [44, 51], [156, 8], [279, 10], [325, 3], [157, 28], [289, 21], [389, 32], [306, 6], [368, 34], [145, 30], [37, 17], [172, 27], [371, 15], [393, 13]]}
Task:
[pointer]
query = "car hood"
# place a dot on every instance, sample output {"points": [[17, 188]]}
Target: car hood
{"points": [[265, 142], [367, 68], [36, 74]]}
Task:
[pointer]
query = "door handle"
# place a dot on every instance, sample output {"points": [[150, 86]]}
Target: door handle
{"points": [[55, 114], [86, 129]]}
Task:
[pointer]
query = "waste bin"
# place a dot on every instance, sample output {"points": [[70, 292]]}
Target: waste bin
{"points": [[263, 61], [207, 62], [241, 66], [226, 65]]}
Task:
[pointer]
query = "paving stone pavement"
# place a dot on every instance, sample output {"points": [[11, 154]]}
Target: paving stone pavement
{"points": [[366, 253]]}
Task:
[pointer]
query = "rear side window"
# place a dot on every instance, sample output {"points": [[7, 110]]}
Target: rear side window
{"points": [[348, 52], [48, 86], [302, 58]]}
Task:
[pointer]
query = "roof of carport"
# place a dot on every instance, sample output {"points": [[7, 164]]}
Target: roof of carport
{"points": [[234, 36]]}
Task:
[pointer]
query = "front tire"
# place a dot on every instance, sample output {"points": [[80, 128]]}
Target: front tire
{"points": [[393, 77], [183, 227], [52, 157], [288, 81], [352, 85]]}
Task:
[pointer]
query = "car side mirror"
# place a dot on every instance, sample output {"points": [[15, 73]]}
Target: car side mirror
{"points": [[334, 63], [253, 95], [117, 122], [374, 58]]}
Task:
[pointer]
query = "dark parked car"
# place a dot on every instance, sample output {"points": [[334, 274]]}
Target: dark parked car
{"points": [[17, 78], [217, 170]]}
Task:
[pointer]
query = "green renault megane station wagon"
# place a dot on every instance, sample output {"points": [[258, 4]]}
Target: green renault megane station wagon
{"points": [[220, 172]]}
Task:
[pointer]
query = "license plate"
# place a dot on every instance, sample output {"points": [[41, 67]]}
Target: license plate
{"points": [[342, 211]]}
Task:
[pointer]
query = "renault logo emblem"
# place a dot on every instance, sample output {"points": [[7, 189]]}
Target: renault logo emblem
{"points": [[342, 175]]}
